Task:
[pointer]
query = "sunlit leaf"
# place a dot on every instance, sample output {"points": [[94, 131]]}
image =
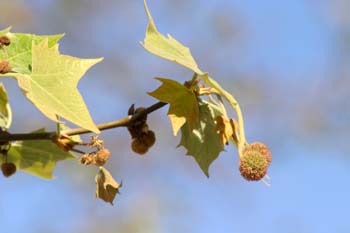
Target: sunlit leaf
{"points": [[19, 53], [183, 103], [52, 84], [167, 47]]}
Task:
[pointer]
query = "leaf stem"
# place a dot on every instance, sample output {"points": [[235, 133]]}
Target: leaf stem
{"points": [[212, 83]]}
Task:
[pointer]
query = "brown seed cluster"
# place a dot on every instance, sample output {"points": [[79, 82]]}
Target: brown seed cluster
{"points": [[142, 137], [141, 144], [4, 41], [255, 161], [98, 158], [5, 67], [8, 169]]}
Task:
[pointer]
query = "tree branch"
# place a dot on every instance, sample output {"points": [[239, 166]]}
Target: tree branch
{"points": [[122, 122]]}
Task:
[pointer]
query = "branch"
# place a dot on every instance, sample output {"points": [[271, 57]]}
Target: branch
{"points": [[122, 122]]}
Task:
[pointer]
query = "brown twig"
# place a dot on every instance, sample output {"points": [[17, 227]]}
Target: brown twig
{"points": [[123, 122]]}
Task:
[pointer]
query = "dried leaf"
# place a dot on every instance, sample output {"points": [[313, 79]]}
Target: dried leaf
{"points": [[223, 128], [106, 187]]}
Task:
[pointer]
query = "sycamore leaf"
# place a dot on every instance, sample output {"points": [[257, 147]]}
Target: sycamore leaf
{"points": [[52, 85], [167, 47], [183, 103], [37, 157], [19, 53], [106, 187], [5, 110], [203, 143]]}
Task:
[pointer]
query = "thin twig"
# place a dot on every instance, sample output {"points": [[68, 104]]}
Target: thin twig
{"points": [[122, 122]]}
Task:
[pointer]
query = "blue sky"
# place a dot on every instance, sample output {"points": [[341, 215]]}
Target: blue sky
{"points": [[279, 59]]}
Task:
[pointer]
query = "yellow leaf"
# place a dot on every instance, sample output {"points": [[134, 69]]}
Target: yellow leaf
{"points": [[52, 84], [183, 103], [167, 47]]}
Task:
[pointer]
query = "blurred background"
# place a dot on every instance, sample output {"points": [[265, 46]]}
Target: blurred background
{"points": [[287, 63]]}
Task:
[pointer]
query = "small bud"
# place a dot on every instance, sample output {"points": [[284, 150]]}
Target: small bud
{"points": [[139, 146], [5, 67], [64, 142], [4, 40], [8, 169], [131, 110]]}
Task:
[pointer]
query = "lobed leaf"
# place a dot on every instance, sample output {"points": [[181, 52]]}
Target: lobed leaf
{"points": [[19, 53], [167, 47], [183, 103], [203, 143], [52, 84]]}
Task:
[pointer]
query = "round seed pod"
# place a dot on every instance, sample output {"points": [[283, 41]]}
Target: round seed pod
{"points": [[8, 169], [149, 138], [139, 146], [262, 148], [102, 157], [253, 165]]}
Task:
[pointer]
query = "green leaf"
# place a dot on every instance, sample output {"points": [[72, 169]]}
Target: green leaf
{"points": [[52, 85], [183, 103], [167, 47], [203, 143], [5, 109], [37, 157], [19, 53]]}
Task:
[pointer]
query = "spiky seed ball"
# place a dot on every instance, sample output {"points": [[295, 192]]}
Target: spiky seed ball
{"points": [[102, 156], [4, 40], [8, 169], [262, 148], [253, 165], [149, 138], [139, 146], [5, 67]]}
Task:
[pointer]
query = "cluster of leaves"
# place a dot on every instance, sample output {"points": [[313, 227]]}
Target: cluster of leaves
{"points": [[49, 81], [203, 122]]}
